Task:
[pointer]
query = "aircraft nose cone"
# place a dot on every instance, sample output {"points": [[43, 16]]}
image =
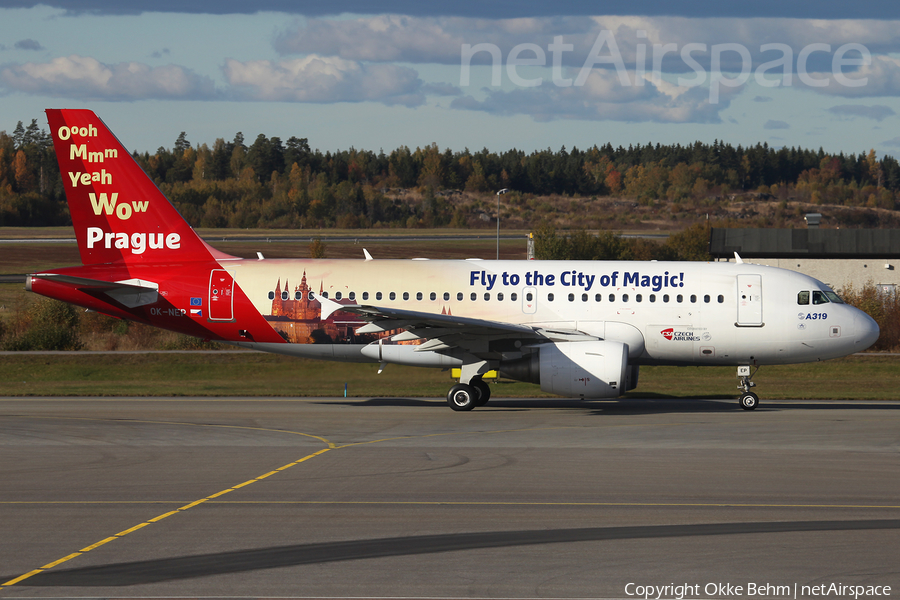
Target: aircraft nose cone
{"points": [[865, 329]]}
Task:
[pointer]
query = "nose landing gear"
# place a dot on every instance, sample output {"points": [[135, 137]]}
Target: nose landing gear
{"points": [[748, 400]]}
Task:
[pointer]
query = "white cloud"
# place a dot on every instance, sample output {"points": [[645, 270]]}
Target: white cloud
{"points": [[604, 98], [771, 124], [439, 39], [88, 79], [324, 79], [381, 38], [667, 44], [828, 9], [881, 78], [878, 112]]}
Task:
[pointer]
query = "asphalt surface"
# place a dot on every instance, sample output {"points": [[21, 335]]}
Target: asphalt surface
{"points": [[175, 497]]}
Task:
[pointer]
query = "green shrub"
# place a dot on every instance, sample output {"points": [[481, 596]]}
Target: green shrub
{"points": [[883, 306], [46, 325]]}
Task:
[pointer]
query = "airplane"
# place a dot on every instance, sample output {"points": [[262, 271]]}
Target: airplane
{"points": [[580, 329]]}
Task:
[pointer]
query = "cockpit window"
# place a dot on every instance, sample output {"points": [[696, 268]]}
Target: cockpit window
{"points": [[803, 298], [823, 297], [833, 297]]}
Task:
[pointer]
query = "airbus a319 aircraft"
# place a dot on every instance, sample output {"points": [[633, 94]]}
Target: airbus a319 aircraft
{"points": [[578, 328]]}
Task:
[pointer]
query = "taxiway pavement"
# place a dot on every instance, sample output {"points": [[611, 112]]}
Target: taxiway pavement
{"points": [[333, 497]]}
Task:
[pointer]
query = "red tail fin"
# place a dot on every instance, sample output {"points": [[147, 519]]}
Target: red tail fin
{"points": [[118, 212]]}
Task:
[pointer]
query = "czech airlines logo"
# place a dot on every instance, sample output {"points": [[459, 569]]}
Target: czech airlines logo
{"points": [[679, 336]]}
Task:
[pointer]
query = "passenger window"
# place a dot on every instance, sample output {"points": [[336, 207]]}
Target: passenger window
{"points": [[612, 297], [598, 297], [550, 297], [365, 295], [652, 297], [624, 297], [433, 296], [312, 296], [459, 296], [298, 295], [378, 296], [284, 295], [721, 299], [500, 296], [352, 295], [406, 295], [324, 294], [679, 298], [393, 295], [271, 295], [338, 296], [820, 298], [418, 295], [446, 296], [693, 298], [487, 295], [639, 298], [473, 296], [514, 296], [706, 298], [529, 297], [665, 297], [584, 297], [803, 298], [571, 297]]}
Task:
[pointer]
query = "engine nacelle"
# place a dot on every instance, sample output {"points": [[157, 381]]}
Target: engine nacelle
{"points": [[577, 369]]}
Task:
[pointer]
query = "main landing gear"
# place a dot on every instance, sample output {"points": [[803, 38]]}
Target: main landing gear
{"points": [[748, 400], [464, 396]]}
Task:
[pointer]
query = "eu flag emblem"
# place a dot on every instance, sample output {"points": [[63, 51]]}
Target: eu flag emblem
{"points": [[196, 301]]}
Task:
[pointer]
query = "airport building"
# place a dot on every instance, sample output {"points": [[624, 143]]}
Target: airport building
{"points": [[838, 257]]}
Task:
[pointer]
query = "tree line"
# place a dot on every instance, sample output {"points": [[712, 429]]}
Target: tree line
{"points": [[274, 183], [690, 244]]}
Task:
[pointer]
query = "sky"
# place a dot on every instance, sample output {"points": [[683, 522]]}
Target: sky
{"points": [[477, 74]]}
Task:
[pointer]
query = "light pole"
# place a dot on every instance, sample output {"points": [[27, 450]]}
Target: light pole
{"points": [[501, 192]]}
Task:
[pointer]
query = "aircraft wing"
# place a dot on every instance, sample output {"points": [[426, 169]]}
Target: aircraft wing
{"points": [[440, 332], [129, 292]]}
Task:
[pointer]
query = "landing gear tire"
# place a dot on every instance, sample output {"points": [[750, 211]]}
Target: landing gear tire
{"points": [[462, 397], [749, 401], [482, 390]]}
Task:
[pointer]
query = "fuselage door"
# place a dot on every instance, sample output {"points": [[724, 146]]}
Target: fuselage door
{"points": [[749, 298], [529, 300], [221, 295]]}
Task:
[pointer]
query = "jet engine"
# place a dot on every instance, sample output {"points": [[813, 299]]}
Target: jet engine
{"points": [[597, 369]]}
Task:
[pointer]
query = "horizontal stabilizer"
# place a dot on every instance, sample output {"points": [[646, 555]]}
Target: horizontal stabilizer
{"points": [[129, 292]]}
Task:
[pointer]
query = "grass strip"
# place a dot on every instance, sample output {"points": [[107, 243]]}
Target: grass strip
{"points": [[871, 377]]}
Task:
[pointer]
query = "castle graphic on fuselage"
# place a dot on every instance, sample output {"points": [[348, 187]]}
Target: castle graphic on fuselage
{"points": [[297, 316]]}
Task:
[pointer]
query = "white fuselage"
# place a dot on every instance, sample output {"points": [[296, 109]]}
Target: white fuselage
{"points": [[667, 313]]}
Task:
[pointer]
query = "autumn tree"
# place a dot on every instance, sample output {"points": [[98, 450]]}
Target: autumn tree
{"points": [[317, 248]]}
